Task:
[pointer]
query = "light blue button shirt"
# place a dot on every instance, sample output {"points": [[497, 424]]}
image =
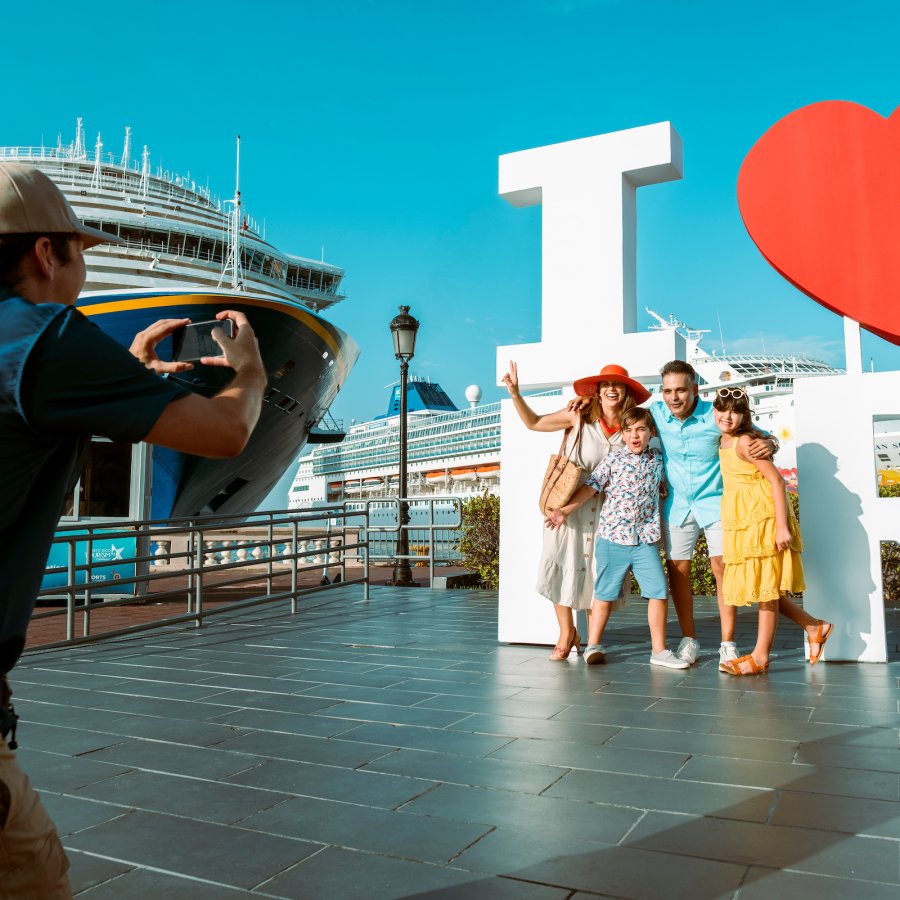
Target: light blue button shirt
{"points": [[691, 453]]}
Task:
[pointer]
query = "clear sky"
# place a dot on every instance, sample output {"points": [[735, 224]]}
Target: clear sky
{"points": [[372, 129]]}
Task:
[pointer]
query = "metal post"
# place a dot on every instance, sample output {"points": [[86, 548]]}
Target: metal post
{"points": [[198, 582], [293, 566], [402, 573]]}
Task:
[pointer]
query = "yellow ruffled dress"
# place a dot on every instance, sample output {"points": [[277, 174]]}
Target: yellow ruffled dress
{"points": [[755, 571]]}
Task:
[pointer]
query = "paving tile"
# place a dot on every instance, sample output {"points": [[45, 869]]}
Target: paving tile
{"points": [[548, 729], [848, 815], [144, 884], [504, 851], [395, 715], [764, 884], [86, 871], [71, 814], [704, 744], [524, 812], [795, 777], [367, 828], [849, 756], [493, 706], [186, 710], [415, 738], [67, 741], [202, 800], [664, 794], [483, 688], [287, 723], [362, 694], [571, 755], [219, 853], [326, 751], [329, 783], [698, 750], [349, 874], [175, 759], [501, 774], [773, 846], [609, 871], [61, 774]]}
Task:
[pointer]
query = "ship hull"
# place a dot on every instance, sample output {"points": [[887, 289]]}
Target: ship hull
{"points": [[307, 361]]}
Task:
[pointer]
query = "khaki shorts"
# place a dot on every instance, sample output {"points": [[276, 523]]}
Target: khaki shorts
{"points": [[33, 864], [680, 540]]}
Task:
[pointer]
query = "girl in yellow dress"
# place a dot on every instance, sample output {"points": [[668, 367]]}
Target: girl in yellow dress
{"points": [[762, 540]]}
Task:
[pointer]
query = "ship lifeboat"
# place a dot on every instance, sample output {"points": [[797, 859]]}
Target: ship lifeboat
{"points": [[352, 487], [335, 485], [463, 475], [370, 484], [489, 472], [437, 479]]}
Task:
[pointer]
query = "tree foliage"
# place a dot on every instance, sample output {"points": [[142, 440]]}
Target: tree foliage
{"points": [[480, 541], [480, 547]]}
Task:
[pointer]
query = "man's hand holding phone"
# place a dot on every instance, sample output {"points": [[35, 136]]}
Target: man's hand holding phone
{"points": [[241, 352]]}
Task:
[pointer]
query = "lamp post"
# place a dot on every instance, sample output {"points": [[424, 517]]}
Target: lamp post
{"points": [[403, 331]]}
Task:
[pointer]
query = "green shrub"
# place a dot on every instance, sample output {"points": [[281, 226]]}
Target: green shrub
{"points": [[480, 541]]}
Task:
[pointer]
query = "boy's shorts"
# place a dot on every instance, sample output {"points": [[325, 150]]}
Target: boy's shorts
{"points": [[680, 540], [613, 563]]}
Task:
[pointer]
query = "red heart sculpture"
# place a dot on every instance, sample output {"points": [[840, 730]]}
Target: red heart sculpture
{"points": [[819, 193]]}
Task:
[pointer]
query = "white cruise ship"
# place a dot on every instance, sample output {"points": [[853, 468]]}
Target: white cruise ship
{"points": [[457, 452], [188, 254]]}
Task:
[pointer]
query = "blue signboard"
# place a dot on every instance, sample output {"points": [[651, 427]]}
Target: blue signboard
{"points": [[118, 553]]}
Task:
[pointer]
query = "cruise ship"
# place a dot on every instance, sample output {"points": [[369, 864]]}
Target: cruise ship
{"points": [[189, 254], [457, 451]]}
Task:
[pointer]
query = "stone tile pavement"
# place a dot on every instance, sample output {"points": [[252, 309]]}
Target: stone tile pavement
{"points": [[394, 749]]}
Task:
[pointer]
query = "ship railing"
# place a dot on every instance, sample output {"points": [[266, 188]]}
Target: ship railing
{"points": [[112, 579]]}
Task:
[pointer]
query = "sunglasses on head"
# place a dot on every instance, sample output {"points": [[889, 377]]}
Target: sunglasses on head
{"points": [[734, 393]]}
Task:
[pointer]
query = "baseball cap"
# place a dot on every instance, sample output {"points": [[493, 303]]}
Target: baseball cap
{"points": [[30, 203]]}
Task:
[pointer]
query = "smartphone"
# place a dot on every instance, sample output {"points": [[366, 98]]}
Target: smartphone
{"points": [[192, 342]]}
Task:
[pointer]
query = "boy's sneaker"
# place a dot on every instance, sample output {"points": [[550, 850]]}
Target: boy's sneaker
{"points": [[594, 655], [727, 651], [688, 650], [669, 660]]}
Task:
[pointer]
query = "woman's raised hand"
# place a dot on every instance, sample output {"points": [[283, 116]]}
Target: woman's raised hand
{"points": [[511, 379]]}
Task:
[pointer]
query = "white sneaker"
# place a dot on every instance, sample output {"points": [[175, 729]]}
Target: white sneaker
{"points": [[669, 660], [727, 651], [688, 650], [594, 655]]}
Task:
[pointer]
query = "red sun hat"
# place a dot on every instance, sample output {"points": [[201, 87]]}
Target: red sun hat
{"points": [[588, 387]]}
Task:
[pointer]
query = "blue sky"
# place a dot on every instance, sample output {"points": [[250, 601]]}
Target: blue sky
{"points": [[373, 129]]}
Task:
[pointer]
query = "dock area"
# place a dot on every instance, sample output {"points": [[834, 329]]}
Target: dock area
{"points": [[392, 748]]}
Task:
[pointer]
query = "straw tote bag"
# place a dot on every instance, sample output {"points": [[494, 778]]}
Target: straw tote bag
{"points": [[561, 478]]}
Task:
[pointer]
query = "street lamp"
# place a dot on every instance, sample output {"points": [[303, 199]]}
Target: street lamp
{"points": [[403, 331]]}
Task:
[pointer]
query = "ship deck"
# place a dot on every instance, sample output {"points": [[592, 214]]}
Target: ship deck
{"points": [[394, 749]]}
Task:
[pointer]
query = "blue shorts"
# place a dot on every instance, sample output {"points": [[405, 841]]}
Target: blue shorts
{"points": [[613, 563]]}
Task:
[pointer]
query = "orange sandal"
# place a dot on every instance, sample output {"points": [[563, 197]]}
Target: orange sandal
{"points": [[733, 666], [823, 632], [561, 651]]}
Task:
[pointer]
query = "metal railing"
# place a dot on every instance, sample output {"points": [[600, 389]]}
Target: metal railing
{"points": [[140, 571]]}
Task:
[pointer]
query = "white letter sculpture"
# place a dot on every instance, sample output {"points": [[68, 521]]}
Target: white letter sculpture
{"points": [[587, 188]]}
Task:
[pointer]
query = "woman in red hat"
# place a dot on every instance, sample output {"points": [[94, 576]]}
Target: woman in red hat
{"points": [[565, 570]]}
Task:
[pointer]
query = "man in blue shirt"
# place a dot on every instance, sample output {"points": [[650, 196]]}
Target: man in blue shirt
{"points": [[63, 380], [690, 444]]}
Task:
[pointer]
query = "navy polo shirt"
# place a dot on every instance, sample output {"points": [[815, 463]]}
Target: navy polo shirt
{"points": [[61, 380]]}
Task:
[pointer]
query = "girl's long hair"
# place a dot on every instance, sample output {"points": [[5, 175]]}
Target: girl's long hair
{"points": [[593, 412], [740, 405]]}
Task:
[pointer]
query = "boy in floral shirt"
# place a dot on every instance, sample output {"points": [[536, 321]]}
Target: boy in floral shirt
{"points": [[629, 530]]}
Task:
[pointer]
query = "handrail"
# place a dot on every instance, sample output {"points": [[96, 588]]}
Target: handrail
{"points": [[214, 564]]}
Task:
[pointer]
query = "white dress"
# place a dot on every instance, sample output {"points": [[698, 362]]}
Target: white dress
{"points": [[566, 568]]}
